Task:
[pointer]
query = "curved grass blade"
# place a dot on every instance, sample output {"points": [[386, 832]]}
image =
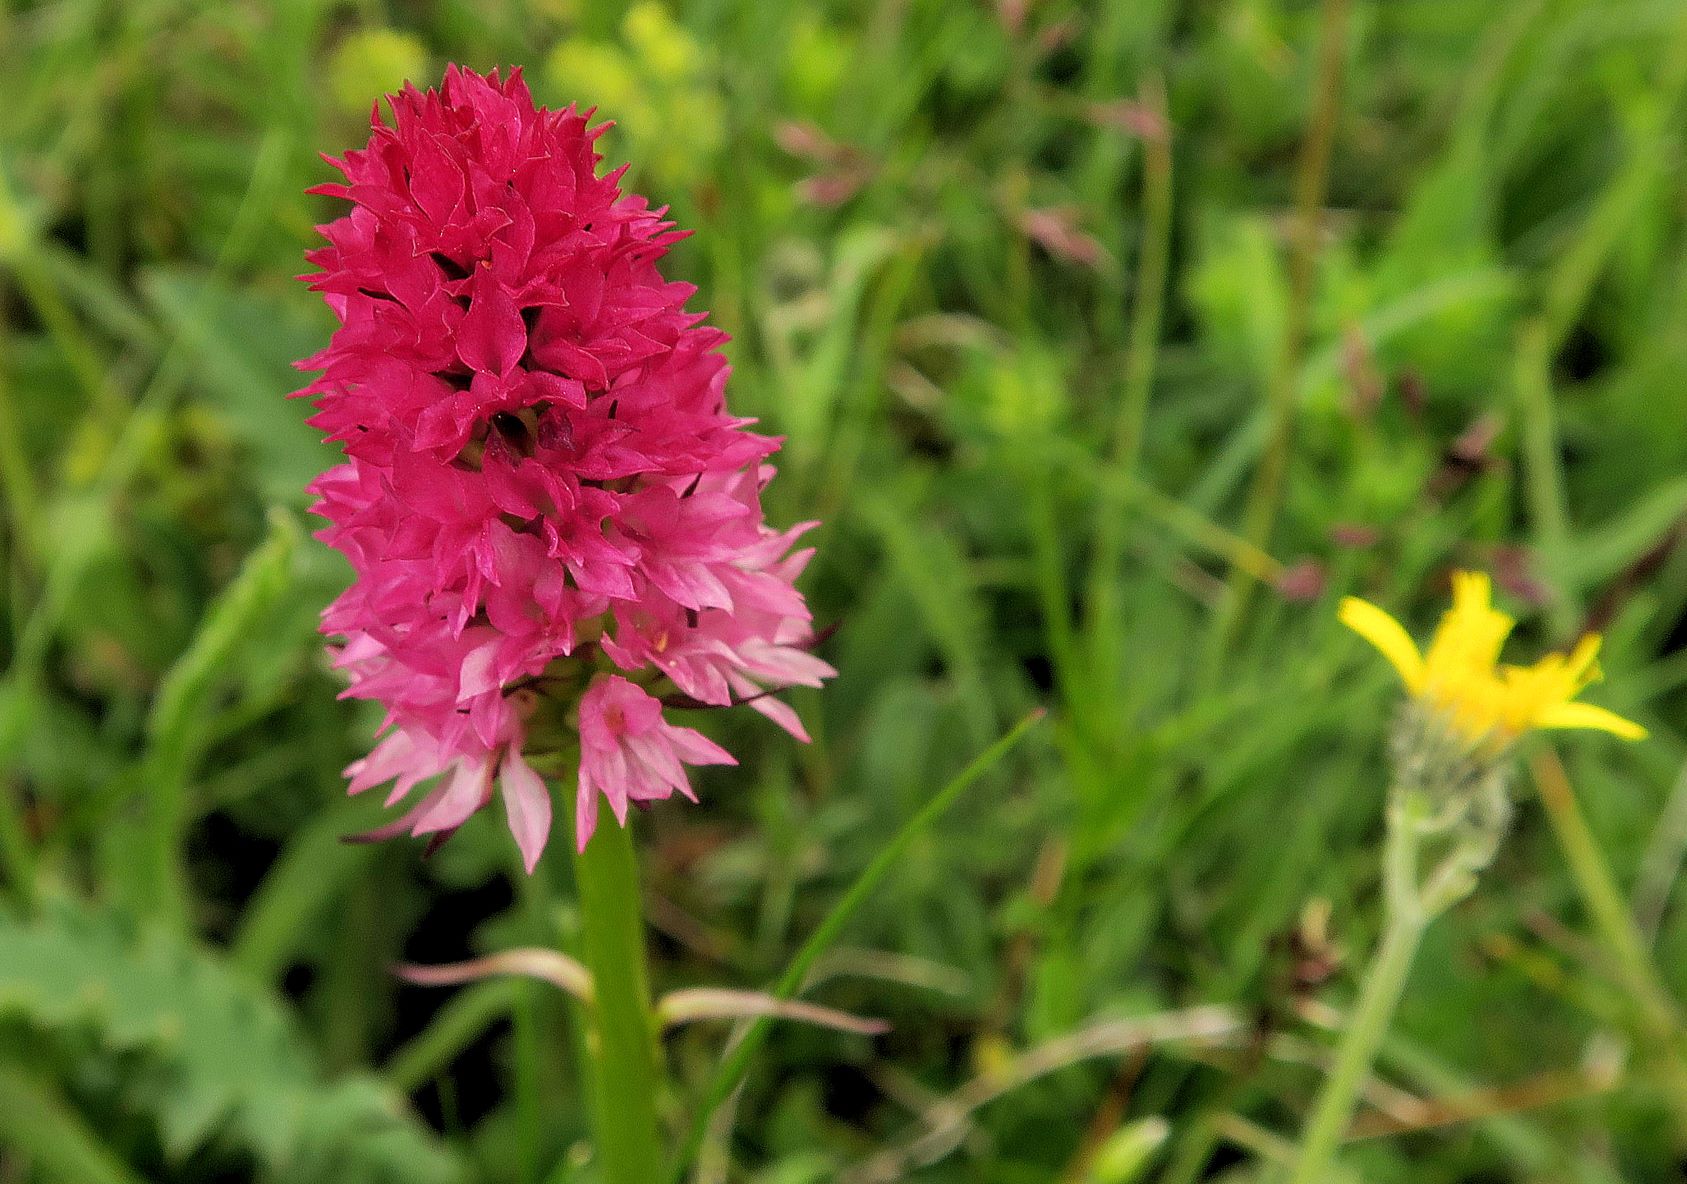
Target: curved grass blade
{"points": [[737, 1060], [37, 1121]]}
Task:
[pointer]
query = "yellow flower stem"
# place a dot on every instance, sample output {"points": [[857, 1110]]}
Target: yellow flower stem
{"points": [[1610, 913], [1379, 996]]}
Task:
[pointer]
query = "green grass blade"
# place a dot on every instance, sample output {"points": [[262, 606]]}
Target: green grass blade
{"points": [[737, 1061], [36, 1122], [175, 725]]}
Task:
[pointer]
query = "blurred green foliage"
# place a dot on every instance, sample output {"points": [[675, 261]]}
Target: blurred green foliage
{"points": [[927, 225]]}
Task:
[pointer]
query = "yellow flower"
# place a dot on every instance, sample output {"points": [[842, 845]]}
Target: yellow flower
{"points": [[1462, 679]]}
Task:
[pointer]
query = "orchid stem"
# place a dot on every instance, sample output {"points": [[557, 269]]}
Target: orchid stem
{"points": [[621, 1041]]}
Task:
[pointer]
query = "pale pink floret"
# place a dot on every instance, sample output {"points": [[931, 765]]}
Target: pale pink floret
{"points": [[527, 804], [629, 753], [541, 479]]}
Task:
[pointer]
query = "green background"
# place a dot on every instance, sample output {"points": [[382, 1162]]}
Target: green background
{"points": [[1031, 290]]}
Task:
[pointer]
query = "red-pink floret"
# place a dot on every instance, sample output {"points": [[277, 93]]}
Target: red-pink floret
{"points": [[539, 464]]}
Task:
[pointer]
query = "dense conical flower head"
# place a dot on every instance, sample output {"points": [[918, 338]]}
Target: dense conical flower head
{"points": [[542, 484]]}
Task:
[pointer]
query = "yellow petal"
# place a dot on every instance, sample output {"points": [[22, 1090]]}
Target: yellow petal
{"points": [[1473, 591], [1471, 633], [1388, 635], [1582, 663], [1586, 715]]}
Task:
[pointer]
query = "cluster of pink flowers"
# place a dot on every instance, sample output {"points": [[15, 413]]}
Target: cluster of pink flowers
{"points": [[553, 519]]}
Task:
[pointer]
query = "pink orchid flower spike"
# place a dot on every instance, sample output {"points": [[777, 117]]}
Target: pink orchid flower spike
{"points": [[552, 518]]}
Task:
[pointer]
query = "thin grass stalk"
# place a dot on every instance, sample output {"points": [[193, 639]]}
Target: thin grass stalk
{"points": [[174, 726], [1543, 474], [17, 481], [1142, 348], [1660, 866], [1259, 518], [135, 431], [462, 1020], [949, 1118], [1568, 287], [21, 255], [1054, 592], [736, 1063], [40, 1128], [1606, 907], [17, 858], [1141, 356]]}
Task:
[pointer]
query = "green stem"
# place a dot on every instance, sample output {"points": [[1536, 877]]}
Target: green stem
{"points": [[1405, 920], [622, 1040], [531, 1059], [1366, 1027]]}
